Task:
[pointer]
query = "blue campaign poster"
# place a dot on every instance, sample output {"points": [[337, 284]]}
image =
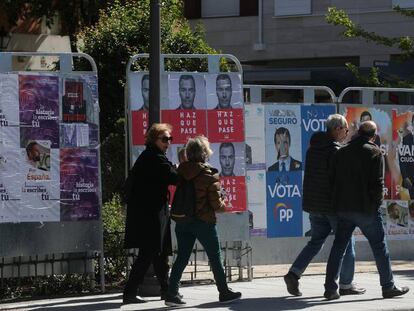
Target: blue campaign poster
{"points": [[313, 120], [284, 204]]}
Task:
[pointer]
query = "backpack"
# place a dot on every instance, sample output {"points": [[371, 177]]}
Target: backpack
{"points": [[184, 201]]}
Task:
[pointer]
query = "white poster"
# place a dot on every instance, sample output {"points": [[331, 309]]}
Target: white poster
{"points": [[9, 110], [397, 219], [40, 183], [255, 136], [256, 196]]}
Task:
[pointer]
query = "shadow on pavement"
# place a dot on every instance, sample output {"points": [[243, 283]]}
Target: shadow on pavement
{"points": [[270, 304]]}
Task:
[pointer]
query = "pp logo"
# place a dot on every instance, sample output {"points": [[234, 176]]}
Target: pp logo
{"points": [[282, 212]]}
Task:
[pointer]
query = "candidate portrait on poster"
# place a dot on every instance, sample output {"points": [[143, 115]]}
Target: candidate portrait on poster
{"points": [[224, 91], [139, 91], [285, 162], [283, 138], [406, 154], [9, 100], [186, 91], [229, 159]]}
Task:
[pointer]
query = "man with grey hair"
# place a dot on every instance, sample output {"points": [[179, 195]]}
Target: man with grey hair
{"points": [[357, 196], [317, 201]]}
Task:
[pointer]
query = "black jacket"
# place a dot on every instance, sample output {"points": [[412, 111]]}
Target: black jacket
{"points": [[317, 182], [146, 191], [358, 177]]}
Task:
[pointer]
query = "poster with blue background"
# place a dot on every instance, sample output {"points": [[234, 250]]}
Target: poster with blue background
{"points": [[284, 170], [313, 120]]}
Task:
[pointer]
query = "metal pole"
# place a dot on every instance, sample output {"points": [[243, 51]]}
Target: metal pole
{"points": [[154, 70]]}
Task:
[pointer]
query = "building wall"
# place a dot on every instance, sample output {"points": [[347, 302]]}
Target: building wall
{"points": [[307, 36]]}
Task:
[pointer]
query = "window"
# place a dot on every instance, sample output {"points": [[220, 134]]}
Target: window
{"points": [[292, 7], [220, 8], [215, 8], [404, 4]]}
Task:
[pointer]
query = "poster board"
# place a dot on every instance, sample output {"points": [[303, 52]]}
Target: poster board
{"points": [[50, 187]]}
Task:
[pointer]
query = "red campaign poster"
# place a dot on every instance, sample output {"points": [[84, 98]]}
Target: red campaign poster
{"points": [[235, 187], [186, 123], [139, 127], [226, 125]]}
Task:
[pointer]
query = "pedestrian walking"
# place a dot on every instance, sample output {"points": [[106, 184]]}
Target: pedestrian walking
{"points": [[317, 201], [358, 195], [147, 219], [202, 226]]}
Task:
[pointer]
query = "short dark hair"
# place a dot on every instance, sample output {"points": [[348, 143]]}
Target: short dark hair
{"points": [[281, 131], [223, 76], [30, 146], [144, 77], [365, 114], [226, 145], [186, 77]]}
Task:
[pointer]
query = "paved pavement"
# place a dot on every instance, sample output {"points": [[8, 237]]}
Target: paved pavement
{"points": [[261, 294]]}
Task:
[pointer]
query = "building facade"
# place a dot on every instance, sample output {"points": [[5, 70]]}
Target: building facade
{"points": [[290, 41]]}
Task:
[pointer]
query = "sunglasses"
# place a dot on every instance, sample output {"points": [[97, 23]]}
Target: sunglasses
{"points": [[166, 139]]}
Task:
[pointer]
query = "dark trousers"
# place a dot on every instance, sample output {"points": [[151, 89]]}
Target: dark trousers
{"points": [[186, 236], [146, 256]]}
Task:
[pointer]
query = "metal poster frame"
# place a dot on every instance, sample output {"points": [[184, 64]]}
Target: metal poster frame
{"points": [[66, 237]]}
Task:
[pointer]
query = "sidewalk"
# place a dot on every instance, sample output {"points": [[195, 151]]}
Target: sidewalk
{"points": [[261, 294]]}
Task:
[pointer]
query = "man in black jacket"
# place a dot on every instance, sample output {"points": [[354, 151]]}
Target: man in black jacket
{"points": [[358, 185], [317, 201]]}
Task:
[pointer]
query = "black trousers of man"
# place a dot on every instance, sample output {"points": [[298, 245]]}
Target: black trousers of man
{"points": [[145, 257]]}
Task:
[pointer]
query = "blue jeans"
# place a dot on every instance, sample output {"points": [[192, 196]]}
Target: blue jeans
{"points": [[321, 227], [371, 227], [186, 236]]}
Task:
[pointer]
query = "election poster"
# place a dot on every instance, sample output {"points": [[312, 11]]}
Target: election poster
{"points": [[382, 117], [73, 101], [225, 125], [255, 134], [313, 120], [284, 170], [139, 126], [186, 123], [9, 100], [9, 110], [39, 108], [397, 220], [79, 184], [403, 142], [256, 194], [186, 109], [10, 183], [224, 91], [139, 91], [29, 179], [40, 113], [186, 91]]}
